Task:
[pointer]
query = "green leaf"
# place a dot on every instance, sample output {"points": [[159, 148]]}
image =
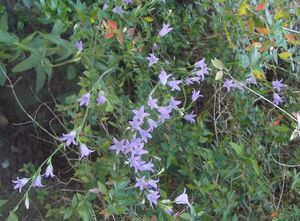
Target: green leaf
{"points": [[237, 148], [71, 72], [68, 213], [245, 61], [58, 27], [102, 188], [28, 63], [255, 166], [4, 22], [84, 209], [8, 38], [2, 75], [12, 217], [2, 202], [217, 64], [40, 78]]}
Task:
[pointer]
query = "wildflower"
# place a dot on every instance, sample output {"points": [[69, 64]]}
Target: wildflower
{"points": [[201, 64], [127, 1], [152, 196], [118, 146], [49, 171], [277, 85], [228, 84], [140, 114], [118, 10], [191, 80], [164, 113], [37, 182], [173, 103], [201, 73], [20, 183], [155, 47], [163, 77], [190, 117], [152, 103], [277, 99], [165, 30], [147, 167], [251, 80], [69, 138], [135, 124], [105, 6], [182, 199], [152, 59], [135, 162], [141, 183], [152, 124], [84, 100], [79, 45], [153, 183], [101, 99], [84, 151], [139, 150], [196, 95], [174, 84]]}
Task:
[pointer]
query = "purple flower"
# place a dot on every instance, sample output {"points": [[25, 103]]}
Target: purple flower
{"points": [[118, 146], [49, 171], [37, 182], [145, 135], [182, 199], [84, 100], [105, 6], [155, 47], [196, 95], [101, 99], [201, 73], [191, 80], [69, 138], [152, 103], [139, 150], [277, 85], [127, 1], [163, 77], [79, 45], [152, 196], [152, 124], [136, 123], [174, 84], [147, 166], [135, 162], [173, 103], [228, 84], [251, 80], [84, 151], [19, 183], [140, 114], [152, 59], [201, 64], [165, 30], [277, 99], [164, 113], [190, 117], [141, 183], [153, 183], [118, 10]]}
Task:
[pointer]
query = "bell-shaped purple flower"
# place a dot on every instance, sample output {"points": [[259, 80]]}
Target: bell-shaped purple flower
{"points": [[153, 196], [84, 151], [37, 182], [20, 183], [182, 199], [84, 100], [49, 171], [69, 138], [79, 45], [152, 59], [165, 30]]}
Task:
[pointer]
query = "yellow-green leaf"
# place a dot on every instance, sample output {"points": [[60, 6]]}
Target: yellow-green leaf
{"points": [[148, 19], [285, 55]]}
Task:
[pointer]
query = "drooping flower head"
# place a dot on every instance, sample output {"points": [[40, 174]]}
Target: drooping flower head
{"points": [[165, 30], [20, 183], [182, 199], [49, 171], [190, 117], [69, 138], [163, 77], [152, 59], [37, 182], [101, 99], [196, 95], [84, 151], [277, 99], [153, 196], [84, 100]]}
